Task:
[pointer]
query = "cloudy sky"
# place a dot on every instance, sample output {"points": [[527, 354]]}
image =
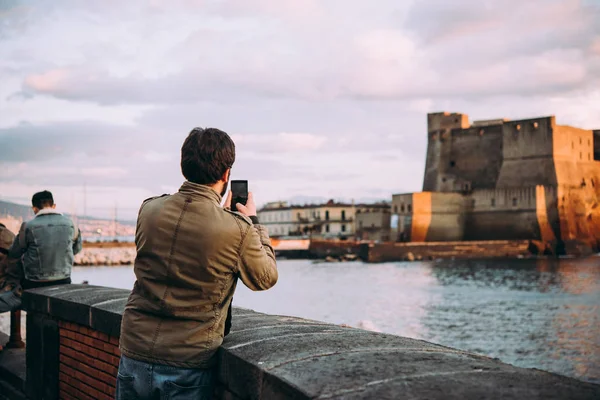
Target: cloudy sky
{"points": [[323, 98]]}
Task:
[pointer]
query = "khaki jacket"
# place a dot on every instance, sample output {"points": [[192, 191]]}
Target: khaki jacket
{"points": [[6, 241], [190, 252]]}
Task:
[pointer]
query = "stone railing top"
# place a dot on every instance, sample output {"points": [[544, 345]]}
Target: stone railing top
{"points": [[97, 307], [279, 357]]}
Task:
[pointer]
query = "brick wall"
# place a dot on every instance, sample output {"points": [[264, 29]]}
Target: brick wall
{"points": [[89, 362]]}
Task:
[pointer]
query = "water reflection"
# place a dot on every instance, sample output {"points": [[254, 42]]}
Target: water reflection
{"points": [[533, 313]]}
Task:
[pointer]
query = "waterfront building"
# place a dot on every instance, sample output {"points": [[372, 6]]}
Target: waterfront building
{"points": [[501, 179], [330, 220], [373, 222], [277, 217]]}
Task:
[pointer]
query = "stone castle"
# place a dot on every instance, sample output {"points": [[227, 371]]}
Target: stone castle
{"points": [[501, 179]]}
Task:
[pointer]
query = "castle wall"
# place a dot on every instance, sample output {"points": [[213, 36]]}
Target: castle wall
{"points": [[546, 213], [498, 214], [427, 216], [578, 190], [573, 144], [528, 153], [527, 179], [460, 157], [475, 158], [596, 134], [579, 212]]}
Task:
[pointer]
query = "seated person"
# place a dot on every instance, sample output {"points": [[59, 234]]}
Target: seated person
{"points": [[6, 240], [42, 252]]}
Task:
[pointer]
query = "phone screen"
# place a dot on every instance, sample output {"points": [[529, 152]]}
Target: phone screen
{"points": [[239, 192]]}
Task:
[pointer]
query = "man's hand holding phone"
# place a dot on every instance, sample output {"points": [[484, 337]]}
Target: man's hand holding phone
{"points": [[249, 209]]}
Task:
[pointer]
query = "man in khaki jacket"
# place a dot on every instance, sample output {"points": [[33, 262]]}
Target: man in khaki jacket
{"points": [[190, 253]]}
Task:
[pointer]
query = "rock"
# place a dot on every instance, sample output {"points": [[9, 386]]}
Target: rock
{"points": [[410, 256]]}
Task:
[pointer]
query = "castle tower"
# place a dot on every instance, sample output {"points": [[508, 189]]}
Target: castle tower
{"points": [[439, 148]]}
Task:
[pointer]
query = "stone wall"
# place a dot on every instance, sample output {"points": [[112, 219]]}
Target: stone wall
{"points": [[332, 248], [460, 157], [502, 214], [528, 153], [373, 224], [430, 217], [439, 127], [387, 252], [272, 357], [596, 145]]}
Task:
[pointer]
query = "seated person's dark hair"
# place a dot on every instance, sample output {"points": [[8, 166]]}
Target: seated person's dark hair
{"points": [[206, 154], [42, 199]]}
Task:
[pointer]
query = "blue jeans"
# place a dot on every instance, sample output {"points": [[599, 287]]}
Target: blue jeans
{"points": [[138, 380]]}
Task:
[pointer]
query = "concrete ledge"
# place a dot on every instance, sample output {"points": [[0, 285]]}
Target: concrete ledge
{"points": [[97, 307], [279, 357]]}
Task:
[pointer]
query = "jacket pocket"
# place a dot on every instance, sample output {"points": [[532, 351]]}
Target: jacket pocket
{"points": [[174, 391]]}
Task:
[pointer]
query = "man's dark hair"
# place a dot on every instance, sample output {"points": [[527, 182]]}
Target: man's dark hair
{"points": [[42, 199], [206, 154]]}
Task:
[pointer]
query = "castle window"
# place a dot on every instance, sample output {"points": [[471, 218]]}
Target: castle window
{"points": [[589, 143], [580, 142], [514, 201], [583, 183], [409, 208], [580, 156], [452, 163], [493, 202], [589, 157]]}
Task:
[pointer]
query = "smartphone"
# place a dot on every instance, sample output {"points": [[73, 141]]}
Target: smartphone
{"points": [[239, 193]]}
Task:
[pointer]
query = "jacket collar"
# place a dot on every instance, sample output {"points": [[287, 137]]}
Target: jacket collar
{"points": [[46, 211], [195, 190]]}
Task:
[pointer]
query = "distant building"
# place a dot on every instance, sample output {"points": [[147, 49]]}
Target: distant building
{"points": [[277, 217], [328, 220], [373, 222], [500, 179]]}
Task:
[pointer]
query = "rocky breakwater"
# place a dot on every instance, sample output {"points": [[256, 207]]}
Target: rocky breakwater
{"points": [[118, 254]]}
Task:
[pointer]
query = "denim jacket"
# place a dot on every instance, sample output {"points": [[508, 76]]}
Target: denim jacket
{"points": [[47, 245]]}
